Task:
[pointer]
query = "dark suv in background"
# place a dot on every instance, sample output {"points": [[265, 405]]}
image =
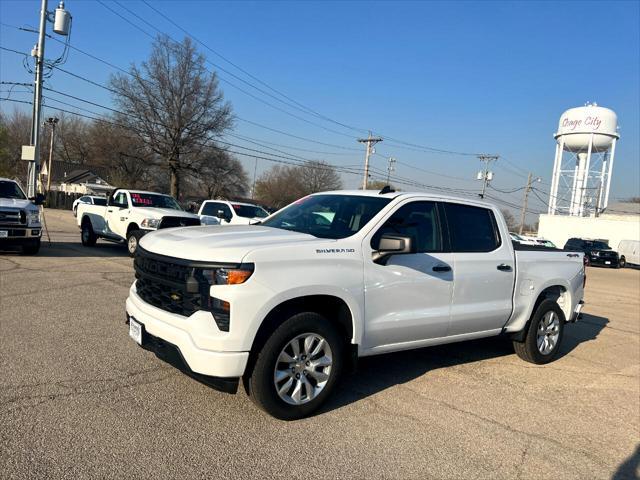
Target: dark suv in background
{"points": [[596, 252]]}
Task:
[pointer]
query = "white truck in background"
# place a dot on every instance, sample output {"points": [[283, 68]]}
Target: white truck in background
{"points": [[289, 304], [222, 212], [128, 215]]}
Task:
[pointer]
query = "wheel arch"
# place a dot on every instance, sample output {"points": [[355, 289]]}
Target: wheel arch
{"points": [[132, 226], [333, 308], [556, 292]]}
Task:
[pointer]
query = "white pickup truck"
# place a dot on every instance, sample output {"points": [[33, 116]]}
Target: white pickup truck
{"points": [[128, 215], [222, 212], [288, 305]]}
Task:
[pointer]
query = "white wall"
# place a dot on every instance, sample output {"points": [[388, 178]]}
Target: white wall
{"points": [[560, 228]]}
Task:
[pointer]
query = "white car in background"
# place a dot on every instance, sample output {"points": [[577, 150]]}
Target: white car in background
{"points": [[522, 240], [88, 200], [221, 212]]}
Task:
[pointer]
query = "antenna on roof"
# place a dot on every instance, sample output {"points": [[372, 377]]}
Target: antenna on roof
{"points": [[386, 189]]}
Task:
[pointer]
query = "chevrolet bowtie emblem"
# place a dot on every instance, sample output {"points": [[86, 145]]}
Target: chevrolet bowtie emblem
{"points": [[175, 297]]}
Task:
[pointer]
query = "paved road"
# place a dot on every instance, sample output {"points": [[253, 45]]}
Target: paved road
{"points": [[78, 399]]}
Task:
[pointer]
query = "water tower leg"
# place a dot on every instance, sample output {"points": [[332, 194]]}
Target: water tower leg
{"points": [[606, 195], [585, 178], [575, 186], [557, 166]]}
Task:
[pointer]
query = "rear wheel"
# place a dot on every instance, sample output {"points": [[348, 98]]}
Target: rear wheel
{"points": [[31, 248], [544, 334], [87, 235], [133, 238], [298, 367]]}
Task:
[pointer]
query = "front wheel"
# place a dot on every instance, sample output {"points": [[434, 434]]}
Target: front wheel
{"points": [[298, 367], [622, 262], [87, 235], [133, 238], [544, 334]]}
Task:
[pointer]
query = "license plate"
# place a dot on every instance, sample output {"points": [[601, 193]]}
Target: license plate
{"points": [[607, 262], [4, 234], [135, 330]]}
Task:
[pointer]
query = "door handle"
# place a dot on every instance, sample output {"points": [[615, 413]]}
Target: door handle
{"points": [[441, 268], [109, 211], [504, 267]]}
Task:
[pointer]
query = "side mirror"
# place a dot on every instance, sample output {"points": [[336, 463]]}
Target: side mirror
{"points": [[393, 245], [39, 199]]}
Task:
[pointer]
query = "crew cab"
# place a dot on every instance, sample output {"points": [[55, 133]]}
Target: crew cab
{"points": [[289, 304], [20, 221], [128, 215], [222, 212]]}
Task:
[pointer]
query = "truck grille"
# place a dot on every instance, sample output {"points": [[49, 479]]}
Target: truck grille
{"points": [[169, 286], [169, 222], [13, 217]]}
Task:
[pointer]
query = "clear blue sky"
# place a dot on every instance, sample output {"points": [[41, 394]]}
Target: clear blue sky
{"points": [[464, 76]]}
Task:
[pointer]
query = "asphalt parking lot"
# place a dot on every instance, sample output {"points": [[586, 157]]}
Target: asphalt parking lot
{"points": [[79, 399]]}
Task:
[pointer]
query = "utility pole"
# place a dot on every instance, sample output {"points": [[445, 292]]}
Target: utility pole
{"points": [[34, 163], [390, 168], [525, 200], [485, 175], [52, 121], [370, 141], [61, 20], [255, 173]]}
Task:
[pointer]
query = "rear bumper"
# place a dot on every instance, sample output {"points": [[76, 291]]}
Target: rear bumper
{"points": [[577, 313], [229, 365]]}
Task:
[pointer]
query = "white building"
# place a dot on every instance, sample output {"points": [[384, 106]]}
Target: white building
{"points": [[620, 221]]}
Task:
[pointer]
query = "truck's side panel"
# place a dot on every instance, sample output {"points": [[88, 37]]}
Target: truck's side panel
{"points": [[538, 271]]}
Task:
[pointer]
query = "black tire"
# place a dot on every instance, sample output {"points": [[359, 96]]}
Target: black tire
{"points": [[260, 381], [528, 349], [133, 239], [31, 247], [87, 235], [622, 262]]}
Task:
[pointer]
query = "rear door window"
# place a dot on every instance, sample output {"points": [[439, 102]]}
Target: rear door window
{"points": [[471, 229]]}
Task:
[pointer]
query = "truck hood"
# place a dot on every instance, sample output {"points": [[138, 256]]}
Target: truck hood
{"points": [[153, 212], [218, 243], [15, 203]]}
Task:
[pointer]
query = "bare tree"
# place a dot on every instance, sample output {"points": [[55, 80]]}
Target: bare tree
{"points": [[282, 185], [174, 106], [16, 128], [222, 176], [73, 139], [512, 224], [317, 176]]}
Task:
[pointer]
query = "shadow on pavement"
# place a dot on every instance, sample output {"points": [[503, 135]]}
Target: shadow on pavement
{"points": [[380, 372], [630, 468], [74, 249]]}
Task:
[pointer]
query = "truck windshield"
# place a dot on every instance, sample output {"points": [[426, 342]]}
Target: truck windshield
{"points": [[598, 245], [249, 211], [328, 216], [154, 200], [11, 190]]}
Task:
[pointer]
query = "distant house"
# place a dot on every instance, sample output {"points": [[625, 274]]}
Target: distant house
{"points": [[74, 178]]}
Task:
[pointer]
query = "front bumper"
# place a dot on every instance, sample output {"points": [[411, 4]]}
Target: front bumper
{"points": [[603, 261], [20, 232], [171, 354], [201, 361]]}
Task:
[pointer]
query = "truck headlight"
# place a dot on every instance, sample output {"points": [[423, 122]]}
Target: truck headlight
{"points": [[150, 223], [33, 217], [228, 276]]}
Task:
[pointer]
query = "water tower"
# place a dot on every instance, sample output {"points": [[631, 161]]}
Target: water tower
{"points": [[586, 145]]}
